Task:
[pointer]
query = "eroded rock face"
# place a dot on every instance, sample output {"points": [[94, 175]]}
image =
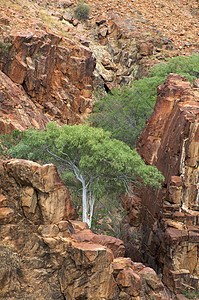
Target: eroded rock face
{"points": [[17, 111], [54, 71], [170, 217], [44, 255], [33, 191], [116, 245], [122, 52]]}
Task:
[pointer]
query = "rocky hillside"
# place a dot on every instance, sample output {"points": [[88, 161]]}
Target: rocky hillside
{"points": [[57, 61]]}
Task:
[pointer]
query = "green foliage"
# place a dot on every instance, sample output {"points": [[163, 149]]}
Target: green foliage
{"points": [[82, 11], [89, 159], [183, 65], [124, 112], [191, 294], [9, 140], [4, 47], [92, 150]]}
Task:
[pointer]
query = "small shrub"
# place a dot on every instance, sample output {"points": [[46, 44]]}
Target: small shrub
{"points": [[4, 47], [82, 11], [191, 294]]}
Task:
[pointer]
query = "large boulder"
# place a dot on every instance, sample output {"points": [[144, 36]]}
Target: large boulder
{"points": [[33, 191]]}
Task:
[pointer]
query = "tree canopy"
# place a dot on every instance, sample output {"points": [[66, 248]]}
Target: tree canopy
{"points": [[124, 112], [91, 157]]}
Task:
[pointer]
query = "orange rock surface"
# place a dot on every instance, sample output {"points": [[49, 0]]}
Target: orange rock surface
{"points": [[44, 255], [170, 217], [17, 111], [53, 70], [53, 56]]}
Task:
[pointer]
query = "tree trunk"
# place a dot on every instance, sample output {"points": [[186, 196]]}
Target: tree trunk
{"points": [[84, 203], [91, 206], [87, 205]]}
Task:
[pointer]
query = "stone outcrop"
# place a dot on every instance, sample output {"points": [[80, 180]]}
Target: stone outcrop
{"points": [[136, 280], [170, 216], [17, 111], [124, 52], [50, 75], [116, 245], [44, 255], [135, 35], [54, 71], [33, 192]]}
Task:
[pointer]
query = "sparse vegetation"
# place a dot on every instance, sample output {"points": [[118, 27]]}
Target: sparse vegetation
{"points": [[191, 293], [4, 47], [82, 11], [108, 216], [9, 260], [53, 23]]}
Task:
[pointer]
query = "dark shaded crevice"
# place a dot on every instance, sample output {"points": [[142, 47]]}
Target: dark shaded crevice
{"points": [[107, 90]]}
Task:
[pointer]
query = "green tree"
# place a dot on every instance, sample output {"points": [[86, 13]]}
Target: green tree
{"points": [[187, 66], [91, 157], [7, 141], [124, 112]]}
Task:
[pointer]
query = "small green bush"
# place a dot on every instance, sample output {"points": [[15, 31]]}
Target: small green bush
{"points": [[4, 47], [191, 294], [82, 11]]}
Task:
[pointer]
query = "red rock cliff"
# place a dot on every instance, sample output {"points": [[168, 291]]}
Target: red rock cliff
{"points": [[170, 217], [53, 70]]}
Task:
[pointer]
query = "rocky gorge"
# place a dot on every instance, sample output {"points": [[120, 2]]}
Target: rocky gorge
{"points": [[50, 64], [46, 256]]}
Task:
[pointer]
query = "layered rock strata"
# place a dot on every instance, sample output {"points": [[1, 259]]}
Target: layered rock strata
{"points": [[44, 255], [169, 217]]}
